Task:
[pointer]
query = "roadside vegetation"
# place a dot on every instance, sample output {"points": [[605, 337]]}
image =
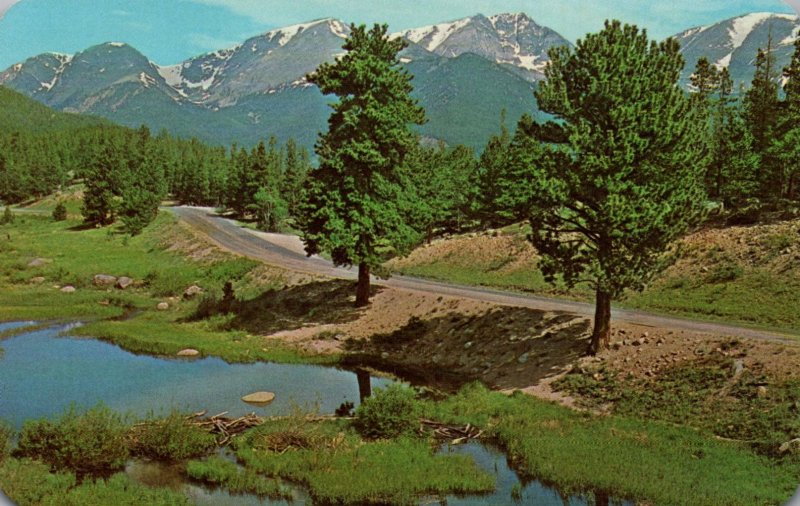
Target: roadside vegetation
{"points": [[42, 256]]}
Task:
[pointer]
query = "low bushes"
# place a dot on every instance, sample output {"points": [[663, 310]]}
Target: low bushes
{"points": [[91, 443], [389, 413], [171, 438]]}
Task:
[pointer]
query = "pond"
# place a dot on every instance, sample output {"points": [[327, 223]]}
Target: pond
{"points": [[43, 371]]}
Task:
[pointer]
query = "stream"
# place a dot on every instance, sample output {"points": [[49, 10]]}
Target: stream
{"points": [[44, 371]]}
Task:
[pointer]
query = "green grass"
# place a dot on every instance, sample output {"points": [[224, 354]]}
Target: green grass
{"points": [[652, 462], [221, 472], [74, 255], [338, 467], [754, 296]]}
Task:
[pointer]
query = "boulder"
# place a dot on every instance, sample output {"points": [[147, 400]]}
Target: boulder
{"points": [[39, 262], [124, 282], [104, 280], [162, 306], [260, 398], [38, 280], [68, 289], [192, 291], [188, 352]]}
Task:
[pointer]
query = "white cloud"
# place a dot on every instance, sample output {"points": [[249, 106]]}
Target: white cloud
{"points": [[5, 5]]}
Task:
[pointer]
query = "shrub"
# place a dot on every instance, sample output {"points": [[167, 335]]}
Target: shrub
{"points": [[389, 413], [725, 272], [28, 482], [6, 433], [171, 438], [91, 443], [60, 212], [8, 217]]}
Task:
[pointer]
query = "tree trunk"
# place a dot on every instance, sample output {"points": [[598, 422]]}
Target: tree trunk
{"points": [[601, 334], [364, 384], [362, 291], [601, 499]]}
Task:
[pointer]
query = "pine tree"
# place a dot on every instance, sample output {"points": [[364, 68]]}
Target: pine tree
{"points": [[617, 182], [353, 205], [761, 111], [491, 164], [60, 212], [785, 148], [8, 217]]}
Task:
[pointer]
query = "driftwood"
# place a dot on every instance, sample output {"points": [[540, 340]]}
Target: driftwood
{"points": [[453, 433], [224, 428]]}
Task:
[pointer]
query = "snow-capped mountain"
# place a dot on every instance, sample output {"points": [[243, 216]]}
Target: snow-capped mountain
{"points": [[733, 43], [514, 40]]}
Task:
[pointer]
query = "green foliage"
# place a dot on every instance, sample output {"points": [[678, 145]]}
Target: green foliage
{"points": [[171, 438], [626, 457], [388, 413], [339, 467], [89, 443], [6, 434], [119, 490], [60, 212], [356, 201], [29, 482], [725, 272], [8, 217], [219, 471]]}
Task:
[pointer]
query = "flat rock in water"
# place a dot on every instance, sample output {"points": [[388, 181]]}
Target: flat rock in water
{"points": [[68, 289], [124, 282], [259, 398], [188, 352], [104, 280]]}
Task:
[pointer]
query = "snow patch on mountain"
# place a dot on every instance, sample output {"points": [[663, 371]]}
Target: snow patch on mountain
{"points": [[287, 33], [435, 34], [171, 74], [743, 26]]}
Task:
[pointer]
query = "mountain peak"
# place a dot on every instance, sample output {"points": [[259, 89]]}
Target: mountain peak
{"points": [[285, 34]]}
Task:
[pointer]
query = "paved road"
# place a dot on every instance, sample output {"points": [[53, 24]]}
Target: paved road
{"points": [[286, 251]]}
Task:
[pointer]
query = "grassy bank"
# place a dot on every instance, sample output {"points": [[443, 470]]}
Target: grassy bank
{"points": [[745, 275], [40, 256], [653, 462]]}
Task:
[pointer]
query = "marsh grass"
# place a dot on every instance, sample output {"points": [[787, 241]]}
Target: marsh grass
{"points": [[338, 467], [647, 461], [221, 472]]}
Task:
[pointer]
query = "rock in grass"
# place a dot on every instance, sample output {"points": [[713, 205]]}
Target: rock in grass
{"points": [[792, 447], [259, 398], [38, 280], [192, 291], [124, 282], [68, 289], [188, 352], [39, 262], [162, 306], [104, 280]]}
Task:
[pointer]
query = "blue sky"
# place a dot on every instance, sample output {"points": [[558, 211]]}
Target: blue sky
{"points": [[168, 31]]}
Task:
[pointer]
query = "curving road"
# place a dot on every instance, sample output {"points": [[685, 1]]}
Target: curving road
{"points": [[287, 251]]}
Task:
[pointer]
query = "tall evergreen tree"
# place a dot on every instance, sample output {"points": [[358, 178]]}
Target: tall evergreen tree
{"points": [[618, 182], [353, 201], [785, 148]]}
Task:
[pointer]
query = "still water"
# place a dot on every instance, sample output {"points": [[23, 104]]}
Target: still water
{"points": [[43, 371]]}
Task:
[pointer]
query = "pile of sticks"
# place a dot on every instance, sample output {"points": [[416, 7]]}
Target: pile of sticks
{"points": [[453, 433], [224, 428]]}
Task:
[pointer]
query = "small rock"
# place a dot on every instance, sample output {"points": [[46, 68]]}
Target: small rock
{"points": [[625, 342], [738, 367], [39, 262], [385, 355], [616, 345], [468, 345], [260, 398], [646, 334], [192, 291], [162, 306], [523, 358], [637, 342], [38, 280], [104, 280], [791, 447], [762, 392], [124, 282], [68, 289], [188, 352], [704, 269]]}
